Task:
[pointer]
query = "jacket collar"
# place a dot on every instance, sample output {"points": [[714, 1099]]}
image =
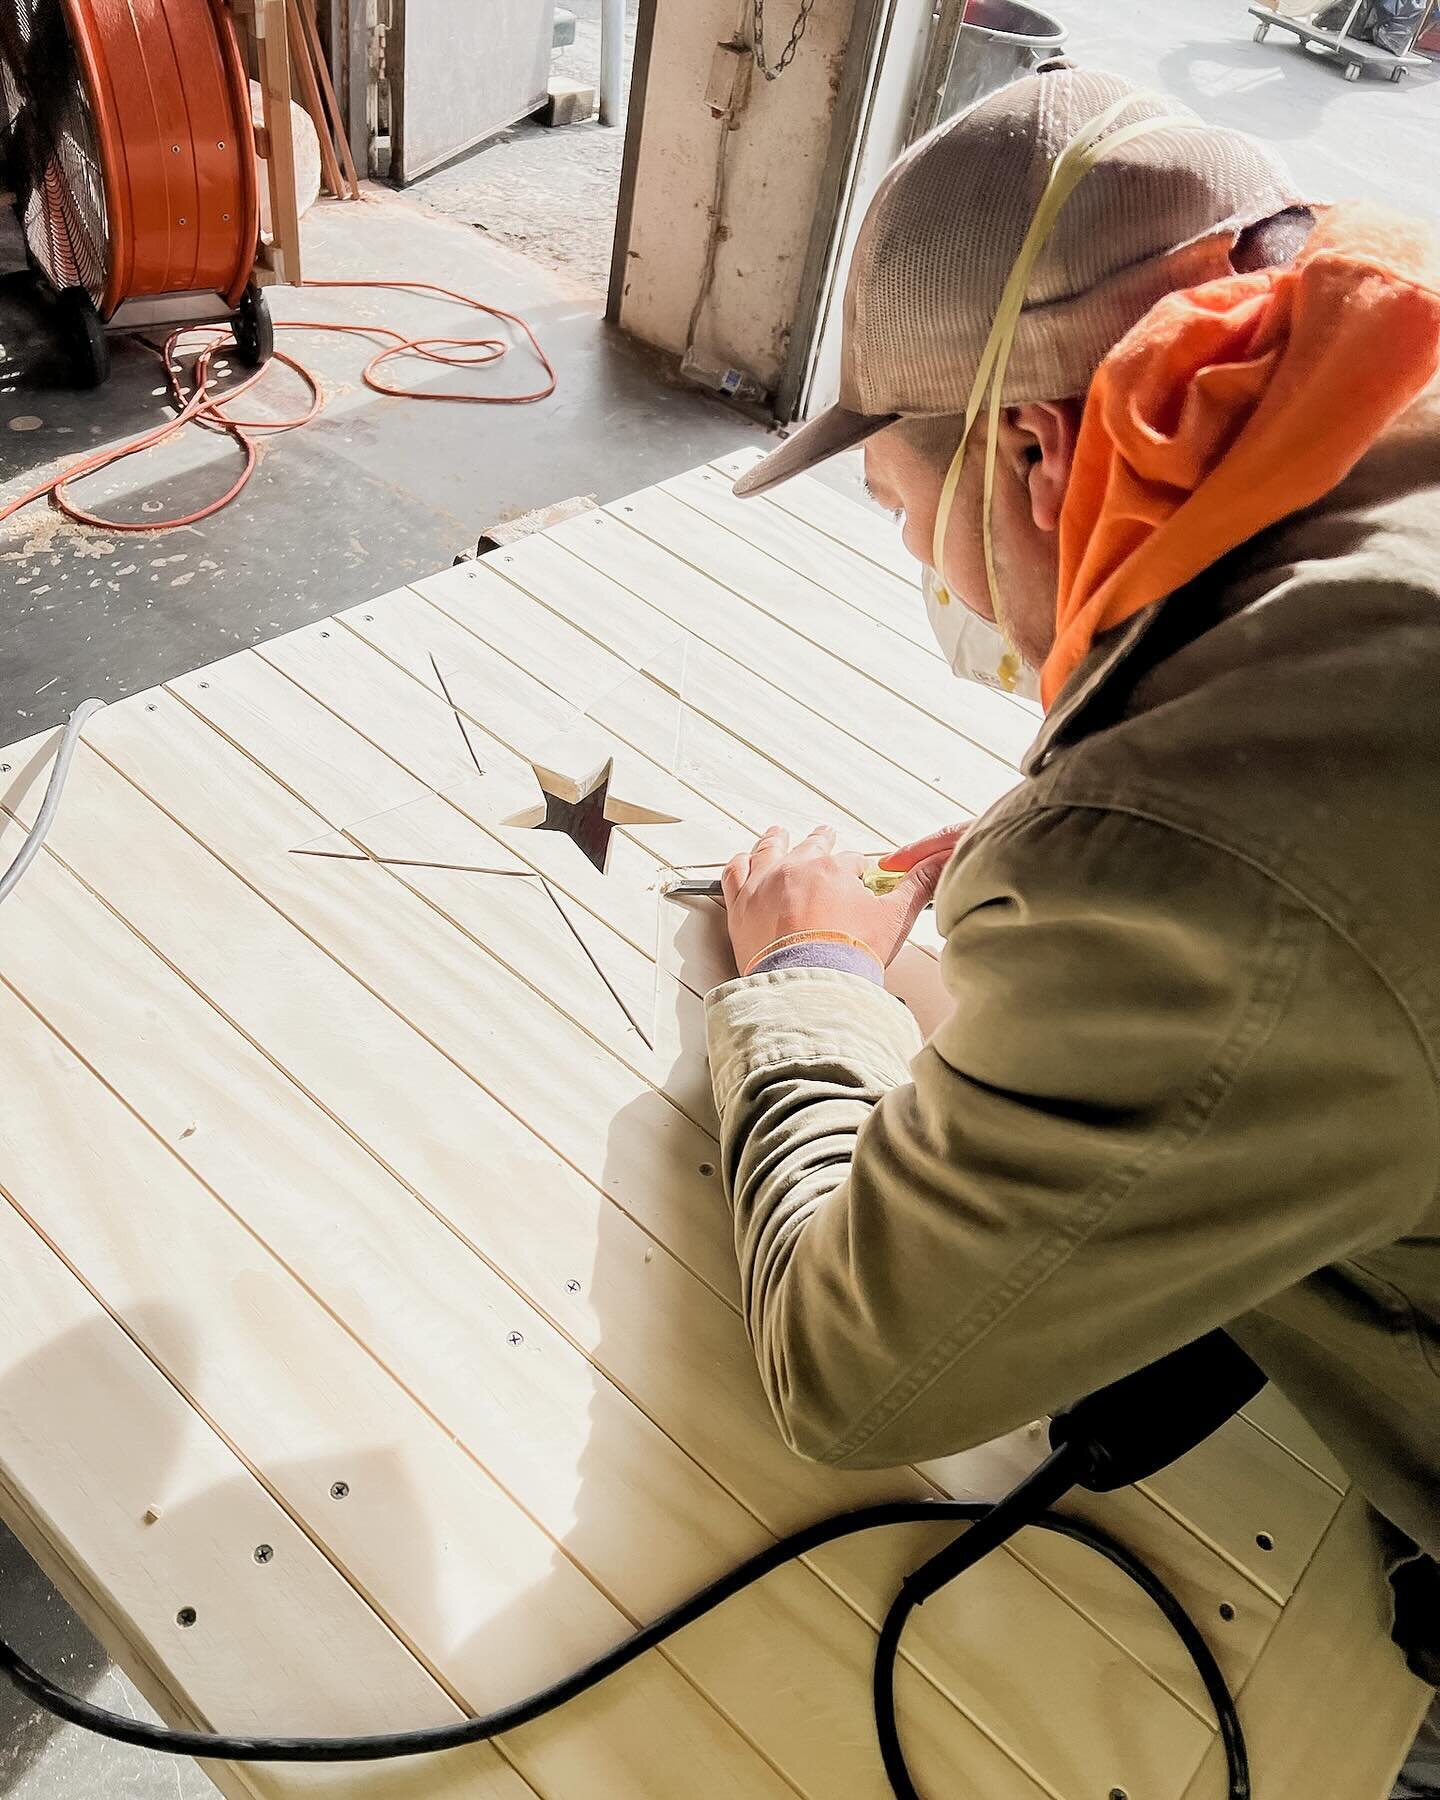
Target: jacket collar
{"points": [[1080, 702]]}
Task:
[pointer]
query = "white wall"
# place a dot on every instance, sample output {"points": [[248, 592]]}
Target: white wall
{"points": [[775, 158]]}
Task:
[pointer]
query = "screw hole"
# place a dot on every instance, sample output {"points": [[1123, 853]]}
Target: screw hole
{"points": [[1227, 1611], [4, 768], [1264, 1540], [205, 684], [707, 1168], [339, 1490], [1118, 1794], [369, 618], [324, 634], [186, 1617], [149, 706]]}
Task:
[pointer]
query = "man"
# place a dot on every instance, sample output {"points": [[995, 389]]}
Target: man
{"points": [[1190, 1075]]}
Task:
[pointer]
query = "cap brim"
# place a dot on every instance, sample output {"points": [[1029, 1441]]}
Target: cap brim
{"points": [[826, 435]]}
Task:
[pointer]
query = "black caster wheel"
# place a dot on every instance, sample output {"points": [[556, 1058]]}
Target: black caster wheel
{"points": [[253, 328], [82, 333]]}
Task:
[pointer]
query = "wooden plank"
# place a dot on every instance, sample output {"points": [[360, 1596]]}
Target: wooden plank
{"points": [[871, 532], [702, 1390], [688, 699], [1203, 1580], [1273, 1414], [627, 589], [273, 64], [97, 1439], [668, 518], [724, 773], [419, 734], [1240, 1492], [1330, 1708], [625, 1502], [450, 1594], [304, 72], [787, 543]]}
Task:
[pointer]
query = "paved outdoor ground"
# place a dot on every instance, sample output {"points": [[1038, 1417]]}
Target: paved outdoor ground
{"points": [[550, 194]]}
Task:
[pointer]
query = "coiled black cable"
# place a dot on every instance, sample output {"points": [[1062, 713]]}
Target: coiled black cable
{"points": [[992, 1523]]}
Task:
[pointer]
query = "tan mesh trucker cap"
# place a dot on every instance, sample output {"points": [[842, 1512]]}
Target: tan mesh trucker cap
{"points": [[944, 227]]}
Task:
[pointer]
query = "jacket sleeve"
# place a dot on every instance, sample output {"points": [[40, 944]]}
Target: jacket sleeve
{"points": [[1167, 1090]]}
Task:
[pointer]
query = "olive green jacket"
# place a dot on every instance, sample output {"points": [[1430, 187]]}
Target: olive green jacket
{"points": [[1190, 1077]]}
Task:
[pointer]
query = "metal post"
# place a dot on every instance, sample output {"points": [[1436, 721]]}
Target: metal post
{"points": [[612, 62]]}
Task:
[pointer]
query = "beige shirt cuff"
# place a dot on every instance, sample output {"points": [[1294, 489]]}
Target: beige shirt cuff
{"points": [[796, 1017]]}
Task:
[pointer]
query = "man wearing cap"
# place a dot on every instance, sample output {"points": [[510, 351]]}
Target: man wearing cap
{"points": [[1178, 438]]}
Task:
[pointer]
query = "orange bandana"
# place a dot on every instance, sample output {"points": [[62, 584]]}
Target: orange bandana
{"points": [[1230, 406]]}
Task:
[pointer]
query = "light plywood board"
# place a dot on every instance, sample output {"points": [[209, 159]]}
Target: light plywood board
{"points": [[369, 1140]]}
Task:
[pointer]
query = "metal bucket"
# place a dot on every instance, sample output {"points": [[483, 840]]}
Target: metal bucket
{"points": [[997, 42]]}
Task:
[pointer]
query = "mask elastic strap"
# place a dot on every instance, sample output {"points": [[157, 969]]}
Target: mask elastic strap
{"points": [[1073, 163]]}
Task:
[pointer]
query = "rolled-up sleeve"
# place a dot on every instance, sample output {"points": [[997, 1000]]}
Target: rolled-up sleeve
{"points": [[1138, 1122]]}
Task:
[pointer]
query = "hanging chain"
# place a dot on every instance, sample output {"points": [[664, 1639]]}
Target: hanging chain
{"points": [[787, 55]]}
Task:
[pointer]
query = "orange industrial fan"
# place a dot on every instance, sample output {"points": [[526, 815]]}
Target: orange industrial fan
{"points": [[133, 157]]}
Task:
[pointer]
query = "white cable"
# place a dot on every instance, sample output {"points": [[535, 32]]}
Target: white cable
{"points": [[51, 803]]}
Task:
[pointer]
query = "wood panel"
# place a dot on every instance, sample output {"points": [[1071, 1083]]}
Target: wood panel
{"points": [[441, 1323], [383, 1153], [229, 1331], [126, 1491], [1332, 1641]]}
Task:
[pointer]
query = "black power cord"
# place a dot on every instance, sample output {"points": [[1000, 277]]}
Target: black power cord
{"points": [[1116, 1436]]}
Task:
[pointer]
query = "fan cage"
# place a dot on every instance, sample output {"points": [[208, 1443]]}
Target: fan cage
{"points": [[131, 137]]}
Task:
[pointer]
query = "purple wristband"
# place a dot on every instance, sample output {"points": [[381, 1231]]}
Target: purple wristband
{"points": [[819, 953]]}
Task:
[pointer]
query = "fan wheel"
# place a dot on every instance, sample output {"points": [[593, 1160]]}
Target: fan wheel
{"points": [[82, 335], [253, 328]]}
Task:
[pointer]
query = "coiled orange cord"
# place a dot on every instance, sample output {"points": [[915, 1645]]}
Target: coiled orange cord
{"points": [[201, 407]]}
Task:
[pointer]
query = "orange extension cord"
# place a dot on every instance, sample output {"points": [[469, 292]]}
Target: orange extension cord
{"points": [[201, 407]]}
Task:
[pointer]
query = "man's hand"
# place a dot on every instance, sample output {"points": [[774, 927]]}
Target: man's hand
{"points": [[772, 892]]}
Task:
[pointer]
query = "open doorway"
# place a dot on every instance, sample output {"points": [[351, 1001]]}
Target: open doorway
{"points": [[549, 192]]}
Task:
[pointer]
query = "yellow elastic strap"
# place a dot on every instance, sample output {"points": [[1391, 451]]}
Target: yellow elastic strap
{"points": [[1070, 167]]}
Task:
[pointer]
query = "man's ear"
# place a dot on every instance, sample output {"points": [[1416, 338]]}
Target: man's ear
{"points": [[1046, 431]]}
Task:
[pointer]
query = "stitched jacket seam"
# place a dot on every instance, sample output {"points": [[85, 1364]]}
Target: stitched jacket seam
{"points": [[1281, 956]]}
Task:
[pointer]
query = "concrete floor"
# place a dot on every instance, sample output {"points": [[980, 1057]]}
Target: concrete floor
{"points": [[373, 493], [549, 194], [377, 491]]}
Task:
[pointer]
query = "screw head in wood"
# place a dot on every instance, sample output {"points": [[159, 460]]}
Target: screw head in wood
{"points": [[186, 1617], [264, 1553], [572, 1287], [339, 1490], [514, 1337], [4, 768]]}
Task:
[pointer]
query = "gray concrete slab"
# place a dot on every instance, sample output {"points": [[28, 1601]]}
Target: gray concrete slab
{"points": [[550, 194]]}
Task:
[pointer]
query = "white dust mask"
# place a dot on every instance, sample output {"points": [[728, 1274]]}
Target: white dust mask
{"points": [[975, 649]]}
